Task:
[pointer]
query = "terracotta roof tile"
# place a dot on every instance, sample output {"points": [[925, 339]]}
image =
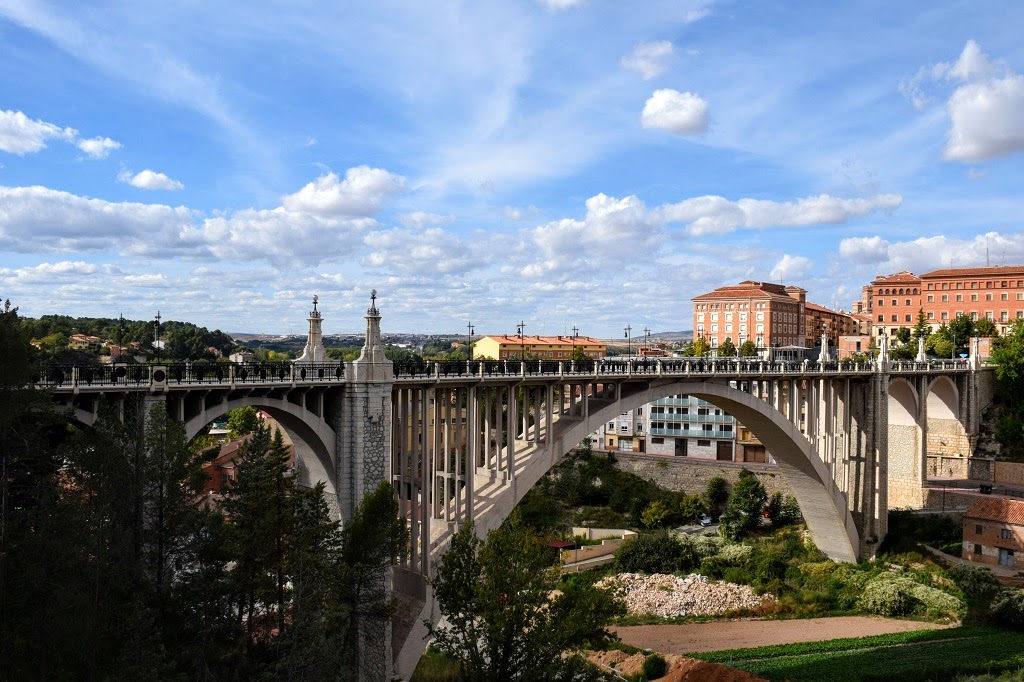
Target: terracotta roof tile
{"points": [[998, 271], [896, 278], [997, 509], [545, 340]]}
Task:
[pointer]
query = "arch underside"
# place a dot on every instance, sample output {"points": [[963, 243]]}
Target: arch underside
{"points": [[824, 506], [313, 439]]}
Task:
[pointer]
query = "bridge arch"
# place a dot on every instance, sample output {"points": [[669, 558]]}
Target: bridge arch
{"points": [[903, 403], [313, 439], [943, 399], [825, 507]]}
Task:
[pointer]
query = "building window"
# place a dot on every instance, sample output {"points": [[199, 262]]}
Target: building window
{"points": [[1004, 297], [931, 299], [979, 529], [908, 318], [959, 297], [977, 549], [908, 301], [945, 298], [657, 441], [703, 443], [974, 297], [1005, 534], [988, 297], [881, 301], [895, 318], [624, 428]]}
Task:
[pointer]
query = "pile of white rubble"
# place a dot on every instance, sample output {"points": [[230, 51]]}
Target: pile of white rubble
{"points": [[669, 595]]}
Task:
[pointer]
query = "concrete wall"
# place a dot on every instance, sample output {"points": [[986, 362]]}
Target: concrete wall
{"points": [[691, 478], [981, 469]]}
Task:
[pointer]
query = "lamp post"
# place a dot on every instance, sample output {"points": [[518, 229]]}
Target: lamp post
{"points": [[575, 333], [629, 342], [469, 340], [156, 341], [647, 339], [522, 341]]}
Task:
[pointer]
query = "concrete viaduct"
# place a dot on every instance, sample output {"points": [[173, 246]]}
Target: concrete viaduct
{"points": [[464, 441]]}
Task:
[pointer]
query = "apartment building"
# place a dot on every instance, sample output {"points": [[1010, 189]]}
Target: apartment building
{"points": [[682, 426], [994, 293], [765, 313]]}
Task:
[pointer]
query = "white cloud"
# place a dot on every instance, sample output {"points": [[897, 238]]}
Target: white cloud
{"points": [[423, 219], [789, 268], [561, 4], [321, 221], [420, 252], [717, 215], [520, 213], [21, 135], [148, 179], [683, 113], [986, 120], [649, 59], [98, 147], [864, 250], [984, 110], [359, 194]]}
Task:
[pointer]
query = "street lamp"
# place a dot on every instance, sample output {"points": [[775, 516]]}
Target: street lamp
{"points": [[469, 340], [629, 342], [522, 341], [156, 341], [647, 339], [575, 333]]}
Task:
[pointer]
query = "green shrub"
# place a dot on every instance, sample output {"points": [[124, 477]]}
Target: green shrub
{"points": [[735, 553], [735, 574], [1008, 608], [975, 581], [705, 546], [656, 552], [897, 594], [886, 598], [655, 667], [716, 493]]}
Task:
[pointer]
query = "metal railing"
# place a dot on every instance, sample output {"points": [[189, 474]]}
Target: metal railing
{"points": [[58, 376]]}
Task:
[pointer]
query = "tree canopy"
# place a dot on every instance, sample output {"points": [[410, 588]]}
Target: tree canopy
{"points": [[500, 621]]}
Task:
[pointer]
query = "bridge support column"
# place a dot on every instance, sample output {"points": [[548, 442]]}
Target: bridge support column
{"points": [[363, 454], [868, 461]]}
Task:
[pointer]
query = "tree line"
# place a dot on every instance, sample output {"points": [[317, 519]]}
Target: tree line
{"points": [[113, 567]]}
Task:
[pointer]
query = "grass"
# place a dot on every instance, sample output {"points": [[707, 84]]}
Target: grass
{"points": [[937, 655], [436, 666]]}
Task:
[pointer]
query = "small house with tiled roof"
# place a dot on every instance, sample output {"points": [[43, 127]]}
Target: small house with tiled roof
{"points": [[994, 531]]}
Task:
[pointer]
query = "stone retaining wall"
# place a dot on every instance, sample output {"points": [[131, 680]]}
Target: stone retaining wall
{"points": [[948, 466], [692, 477]]}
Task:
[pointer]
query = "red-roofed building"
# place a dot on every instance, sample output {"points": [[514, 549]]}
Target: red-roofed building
{"points": [[996, 293], [994, 531], [545, 347], [765, 313]]}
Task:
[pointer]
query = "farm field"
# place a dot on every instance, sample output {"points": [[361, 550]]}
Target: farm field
{"points": [[905, 656]]}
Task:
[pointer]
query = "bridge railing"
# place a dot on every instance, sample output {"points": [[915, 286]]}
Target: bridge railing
{"points": [[177, 373], [139, 375]]}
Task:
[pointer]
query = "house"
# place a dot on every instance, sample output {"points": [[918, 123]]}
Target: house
{"points": [[543, 347], [994, 531]]}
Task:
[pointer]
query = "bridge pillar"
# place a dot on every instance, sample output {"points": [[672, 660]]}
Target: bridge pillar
{"points": [[363, 456], [867, 465]]}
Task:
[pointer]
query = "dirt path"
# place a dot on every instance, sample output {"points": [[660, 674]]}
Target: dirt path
{"points": [[741, 634]]}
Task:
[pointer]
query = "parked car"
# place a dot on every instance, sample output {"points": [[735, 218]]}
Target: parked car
{"points": [[704, 520]]}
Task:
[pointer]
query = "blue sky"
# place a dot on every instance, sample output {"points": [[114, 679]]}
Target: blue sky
{"points": [[594, 163]]}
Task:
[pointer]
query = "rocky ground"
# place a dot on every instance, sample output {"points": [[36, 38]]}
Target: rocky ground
{"points": [[680, 669], [669, 595]]}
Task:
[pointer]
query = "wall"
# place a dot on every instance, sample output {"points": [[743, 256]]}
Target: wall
{"points": [[947, 437], [981, 469], [949, 466], [904, 475], [1009, 473], [692, 477]]}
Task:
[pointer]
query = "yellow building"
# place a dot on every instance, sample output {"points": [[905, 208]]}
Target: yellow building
{"points": [[544, 347]]}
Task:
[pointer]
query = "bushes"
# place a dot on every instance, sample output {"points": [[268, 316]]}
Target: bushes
{"points": [[897, 594], [655, 667], [1008, 608], [657, 552], [974, 581]]}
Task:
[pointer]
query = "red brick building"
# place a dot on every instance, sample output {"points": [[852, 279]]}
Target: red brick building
{"points": [[994, 531], [891, 301], [995, 293], [767, 314]]}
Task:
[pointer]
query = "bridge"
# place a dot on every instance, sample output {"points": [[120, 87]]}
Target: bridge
{"points": [[464, 441]]}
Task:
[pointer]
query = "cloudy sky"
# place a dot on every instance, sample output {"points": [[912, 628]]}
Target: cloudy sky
{"points": [[594, 163]]}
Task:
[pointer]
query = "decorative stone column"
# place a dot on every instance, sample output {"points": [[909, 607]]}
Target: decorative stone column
{"points": [[363, 454], [314, 350]]}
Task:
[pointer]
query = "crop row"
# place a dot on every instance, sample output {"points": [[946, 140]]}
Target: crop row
{"points": [[934, 654]]}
